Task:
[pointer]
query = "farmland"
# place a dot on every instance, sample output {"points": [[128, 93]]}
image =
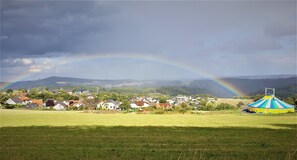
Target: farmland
{"points": [[208, 135]]}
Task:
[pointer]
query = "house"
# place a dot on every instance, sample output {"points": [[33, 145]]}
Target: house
{"points": [[72, 102], [25, 99], [66, 102], [209, 99], [60, 106], [170, 101], [14, 100], [78, 105], [133, 105], [79, 92], [75, 103], [49, 103], [163, 105], [99, 105], [37, 101], [109, 105], [139, 104], [181, 99], [31, 106], [90, 97]]}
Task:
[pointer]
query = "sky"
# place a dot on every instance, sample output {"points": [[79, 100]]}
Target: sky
{"points": [[146, 39]]}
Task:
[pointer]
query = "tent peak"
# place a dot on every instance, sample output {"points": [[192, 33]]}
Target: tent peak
{"points": [[270, 91]]}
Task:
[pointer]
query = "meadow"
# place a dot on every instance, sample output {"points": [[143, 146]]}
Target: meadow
{"points": [[210, 135]]}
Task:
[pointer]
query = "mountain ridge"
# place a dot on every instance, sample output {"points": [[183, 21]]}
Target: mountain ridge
{"points": [[248, 86]]}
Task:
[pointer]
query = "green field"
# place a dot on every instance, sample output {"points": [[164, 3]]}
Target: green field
{"points": [[210, 135]]}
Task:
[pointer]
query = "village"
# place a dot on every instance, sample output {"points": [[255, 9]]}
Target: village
{"points": [[85, 100]]}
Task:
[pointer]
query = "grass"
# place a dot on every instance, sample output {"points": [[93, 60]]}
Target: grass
{"points": [[75, 135]]}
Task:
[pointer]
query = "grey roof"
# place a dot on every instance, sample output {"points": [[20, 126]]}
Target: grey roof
{"points": [[61, 103], [31, 106], [16, 99]]}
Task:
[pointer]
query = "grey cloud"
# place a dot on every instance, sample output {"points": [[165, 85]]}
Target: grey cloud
{"points": [[281, 29], [198, 33], [250, 45], [38, 28], [18, 62], [35, 28]]}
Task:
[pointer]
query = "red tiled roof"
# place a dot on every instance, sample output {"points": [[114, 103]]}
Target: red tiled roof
{"points": [[38, 101], [139, 103], [24, 98], [164, 105]]}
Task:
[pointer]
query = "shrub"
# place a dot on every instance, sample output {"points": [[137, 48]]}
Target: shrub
{"points": [[159, 111], [210, 106], [182, 110], [224, 106], [9, 106], [240, 104], [149, 108]]}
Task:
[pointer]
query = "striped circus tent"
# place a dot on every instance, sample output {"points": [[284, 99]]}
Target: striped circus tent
{"points": [[270, 104]]}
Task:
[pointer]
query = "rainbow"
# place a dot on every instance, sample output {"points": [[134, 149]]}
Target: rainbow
{"points": [[137, 56]]}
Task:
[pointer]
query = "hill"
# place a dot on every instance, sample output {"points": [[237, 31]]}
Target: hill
{"points": [[286, 85]]}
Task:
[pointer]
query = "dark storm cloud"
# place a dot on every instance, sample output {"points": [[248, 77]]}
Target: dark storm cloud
{"points": [[225, 38], [36, 28], [55, 28], [281, 29]]}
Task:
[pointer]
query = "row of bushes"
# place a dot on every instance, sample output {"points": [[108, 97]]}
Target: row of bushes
{"points": [[213, 106], [183, 109], [12, 106]]}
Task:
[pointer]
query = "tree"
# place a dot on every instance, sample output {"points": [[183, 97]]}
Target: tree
{"points": [[3, 98], [224, 106], [203, 102], [290, 100], [162, 100], [183, 105], [210, 106], [258, 96], [240, 104], [8, 91], [91, 104], [125, 105]]}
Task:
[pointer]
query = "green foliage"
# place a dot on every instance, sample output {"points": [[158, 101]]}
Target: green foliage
{"points": [[12, 106], [90, 104], [257, 97], [183, 105], [203, 102], [240, 104], [36, 93], [210, 106], [9, 106], [189, 108], [291, 100], [125, 105], [182, 110], [8, 91], [3, 98], [162, 99], [224, 106], [159, 111]]}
